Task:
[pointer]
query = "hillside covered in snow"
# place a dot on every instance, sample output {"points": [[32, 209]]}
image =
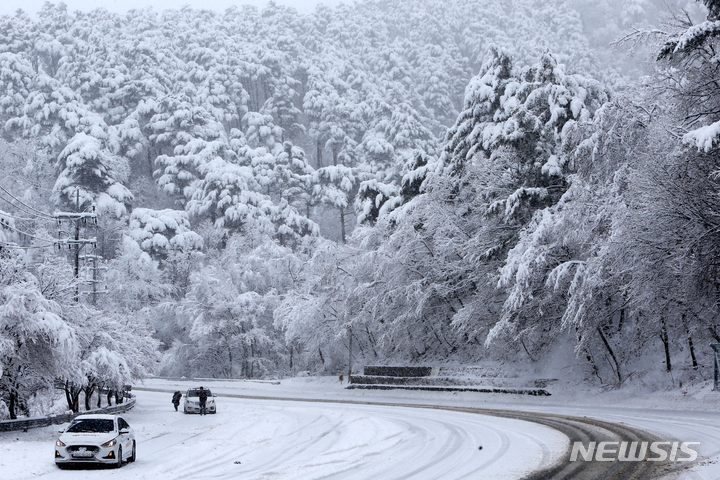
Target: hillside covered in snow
{"points": [[250, 193]]}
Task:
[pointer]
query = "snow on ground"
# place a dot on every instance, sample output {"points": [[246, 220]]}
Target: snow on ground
{"points": [[690, 414], [263, 439], [256, 438]]}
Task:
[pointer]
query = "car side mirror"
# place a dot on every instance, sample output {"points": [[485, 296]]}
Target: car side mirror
{"points": [[125, 430]]}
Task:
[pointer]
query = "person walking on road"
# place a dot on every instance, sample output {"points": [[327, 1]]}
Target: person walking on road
{"points": [[176, 399], [202, 396]]}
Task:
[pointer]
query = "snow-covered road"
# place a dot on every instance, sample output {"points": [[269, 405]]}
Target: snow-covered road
{"points": [[255, 437], [264, 439]]}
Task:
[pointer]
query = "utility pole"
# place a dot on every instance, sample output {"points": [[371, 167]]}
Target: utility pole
{"points": [[349, 354], [77, 247], [77, 250], [94, 270], [93, 259], [77, 218], [716, 349]]}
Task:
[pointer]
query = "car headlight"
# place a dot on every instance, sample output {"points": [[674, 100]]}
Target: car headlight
{"points": [[111, 443], [59, 443]]}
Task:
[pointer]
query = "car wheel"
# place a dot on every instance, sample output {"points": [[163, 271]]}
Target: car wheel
{"points": [[119, 459], [134, 453]]}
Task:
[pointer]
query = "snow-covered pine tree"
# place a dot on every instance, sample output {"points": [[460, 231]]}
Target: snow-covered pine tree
{"points": [[335, 186], [158, 232], [230, 196], [189, 136], [523, 116], [92, 175], [294, 174]]}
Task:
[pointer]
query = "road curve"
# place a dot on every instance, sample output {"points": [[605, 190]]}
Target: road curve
{"points": [[582, 429]]}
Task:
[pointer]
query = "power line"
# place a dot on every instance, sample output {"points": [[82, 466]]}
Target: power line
{"points": [[11, 244], [22, 210], [32, 209], [28, 219], [25, 211], [25, 233], [86, 217]]}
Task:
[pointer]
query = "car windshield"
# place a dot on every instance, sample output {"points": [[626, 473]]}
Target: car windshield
{"points": [[92, 425], [194, 392]]}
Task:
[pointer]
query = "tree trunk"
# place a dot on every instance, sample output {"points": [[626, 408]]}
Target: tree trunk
{"points": [[68, 397], [612, 354], [714, 334], [588, 356], [522, 342], [72, 395], [318, 150], [252, 359], [372, 340], [23, 407], [691, 345], [151, 160], [89, 390], [692, 353], [342, 225], [666, 344], [11, 404]]}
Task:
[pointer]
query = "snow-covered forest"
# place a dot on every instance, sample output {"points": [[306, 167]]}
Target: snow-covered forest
{"points": [[238, 194]]}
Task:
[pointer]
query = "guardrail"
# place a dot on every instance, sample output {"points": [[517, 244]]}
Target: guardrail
{"points": [[24, 424], [537, 392], [208, 379], [398, 371]]}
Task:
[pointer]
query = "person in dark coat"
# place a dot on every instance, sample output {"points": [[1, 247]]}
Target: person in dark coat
{"points": [[176, 399], [202, 396]]}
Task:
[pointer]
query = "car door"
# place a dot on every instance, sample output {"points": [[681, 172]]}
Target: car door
{"points": [[125, 436]]}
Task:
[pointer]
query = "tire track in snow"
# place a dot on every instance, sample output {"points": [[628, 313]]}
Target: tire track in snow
{"points": [[575, 428], [433, 450]]}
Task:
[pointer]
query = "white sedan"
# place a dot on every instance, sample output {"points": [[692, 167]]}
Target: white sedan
{"points": [[96, 438], [192, 401]]}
